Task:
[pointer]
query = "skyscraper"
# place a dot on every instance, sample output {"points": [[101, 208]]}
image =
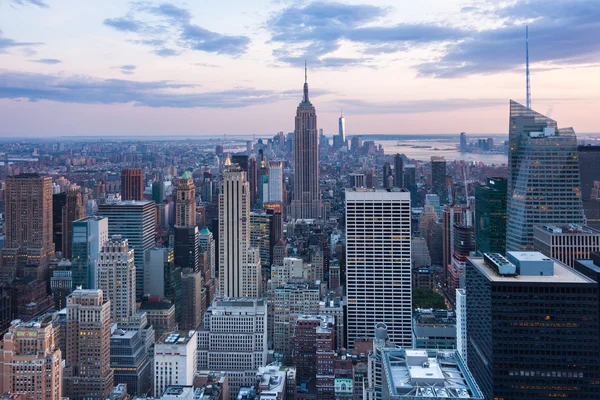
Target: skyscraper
{"points": [[306, 203], [490, 216], [276, 182], [438, 178], [192, 304], [89, 235], [72, 211], [378, 263], [463, 142], [342, 130], [135, 221], [185, 204], [187, 247], [116, 277], [207, 244], [132, 184], [546, 191], [589, 165], [237, 269], [28, 225], [386, 176], [398, 171], [527, 317], [30, 361], [87, 372]]}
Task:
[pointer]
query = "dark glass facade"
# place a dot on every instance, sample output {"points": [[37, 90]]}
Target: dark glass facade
{"points": [[438, 178], [589, 165], [490, 216], [532, 339], [187, 247]]}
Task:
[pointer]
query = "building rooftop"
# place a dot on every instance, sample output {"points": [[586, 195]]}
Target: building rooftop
{"points": [[568, 229], [427, 374], [181, 392], [562, 273], [177, 337]]}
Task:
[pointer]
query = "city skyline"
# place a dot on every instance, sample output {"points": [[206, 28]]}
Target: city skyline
{"points": [[170, 68]]}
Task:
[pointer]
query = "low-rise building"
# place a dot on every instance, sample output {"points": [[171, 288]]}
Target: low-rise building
{"points": [[434, 329], [175, 360]]}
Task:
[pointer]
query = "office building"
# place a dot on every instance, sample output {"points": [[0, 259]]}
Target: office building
{"points": [[87, 372], [61, 283], [279, 252], [187, 247], [276, 182], [398, 171], [464, 244], [527, 316], [89, 235], [162, 276], [451, 215], [538, 194], [589, 164], [260, 236], [193, 302], [434, 329], [233, 338], [378, 264], [290, 301], [5, 309], [463, 142], [158, 192], [58, 202], [437, 374], [116, 277], [132, 184], [306, 202], [130, 361], [490, 216], [175, 360], [28, 225], [73, 210], [239, 273], [135, 221], [185, 203], [207, 244], [566, 243], [30, 361], [386, 176], [160, 313], [438, 178], [461, 323], [342, 130]]}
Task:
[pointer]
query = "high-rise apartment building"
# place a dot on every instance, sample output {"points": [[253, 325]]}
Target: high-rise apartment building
{"points": [[398, 171], [28, 225], [589, 165], [193, 302], [175, 360], [378, 264], [136, 222], [306, 203], [546, 191], [527, 317], [239, 274], [185, 202], [566, 243], [233, 338], [87, 372], [73, 210], [276, 182], [132, 184], [116, 277], [490, 216], [438, 178], [30, 361]]}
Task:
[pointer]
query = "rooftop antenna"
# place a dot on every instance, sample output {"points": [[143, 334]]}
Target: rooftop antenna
{"points": [[305, 73], [527, 67]]}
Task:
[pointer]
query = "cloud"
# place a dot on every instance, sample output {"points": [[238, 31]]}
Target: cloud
{"points": [[38, 3], [561, 34], [6, 43], [50, 61], [89, 90], [168, 29], [358, 106], [316, 30], [127, 69], [124, 24]]}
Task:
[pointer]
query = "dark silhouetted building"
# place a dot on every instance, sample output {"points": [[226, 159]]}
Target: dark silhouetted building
{"points": [[589, 165], [438, 178], [193, 302], [73, 210], [58, 202], [186, 247], [490, 216], [398, 171]]}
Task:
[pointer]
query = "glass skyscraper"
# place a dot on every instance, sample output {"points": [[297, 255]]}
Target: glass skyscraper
{"points": [[490, 216], [543, 182]]}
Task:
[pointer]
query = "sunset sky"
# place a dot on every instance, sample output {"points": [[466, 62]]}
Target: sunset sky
{"points": [[82, 67]]}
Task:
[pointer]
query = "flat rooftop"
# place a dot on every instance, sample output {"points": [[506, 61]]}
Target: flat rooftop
{"points": [[565, 229], [428, 374], [178, 338], [562, 273]]}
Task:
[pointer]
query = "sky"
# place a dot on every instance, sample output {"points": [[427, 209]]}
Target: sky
{"points": [[117, 67]]}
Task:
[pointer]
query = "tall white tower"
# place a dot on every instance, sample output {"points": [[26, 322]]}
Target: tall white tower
{"points": [[342, 129], [238, 276], [378, 264], [116, 276]]}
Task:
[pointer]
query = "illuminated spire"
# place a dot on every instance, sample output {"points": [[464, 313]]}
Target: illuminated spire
{"points": [[227, 161]]}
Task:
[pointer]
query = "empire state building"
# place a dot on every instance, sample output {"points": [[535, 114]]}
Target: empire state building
{"points": [[306, 202]]}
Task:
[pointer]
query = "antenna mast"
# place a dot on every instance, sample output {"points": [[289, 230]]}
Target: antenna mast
{"points": [[527, 67]]}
